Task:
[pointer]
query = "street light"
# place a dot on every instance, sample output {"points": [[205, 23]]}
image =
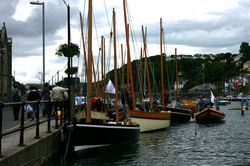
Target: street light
{"points": [[69, 59], [42, 3]]}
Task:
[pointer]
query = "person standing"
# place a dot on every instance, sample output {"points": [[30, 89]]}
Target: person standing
{"points": [[33, 95], [15, 97], [201, 103], [46, 95]]}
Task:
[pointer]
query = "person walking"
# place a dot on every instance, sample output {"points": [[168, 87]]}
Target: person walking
{"points": [[33, 95], [58, 95], [15, 97]]}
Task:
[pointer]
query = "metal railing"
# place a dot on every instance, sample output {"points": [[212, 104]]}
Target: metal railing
{"points": [[52, 115]]}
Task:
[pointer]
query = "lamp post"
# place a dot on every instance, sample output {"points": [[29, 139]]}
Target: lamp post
{"points": [[42, 3], [69, 61]]}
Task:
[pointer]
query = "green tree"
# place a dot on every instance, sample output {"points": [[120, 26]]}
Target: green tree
{"points": [[245, 50]]}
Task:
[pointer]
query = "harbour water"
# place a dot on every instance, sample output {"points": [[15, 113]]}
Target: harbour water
{"points": [[225, 143]]}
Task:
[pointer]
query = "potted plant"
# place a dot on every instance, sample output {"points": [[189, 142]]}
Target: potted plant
{"points": [[72, 70], [68, 50]]}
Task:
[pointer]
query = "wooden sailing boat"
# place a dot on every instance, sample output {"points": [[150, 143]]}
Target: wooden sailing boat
{"points": [[178, 114], [209, 114], [157, 119], [88, 133]]}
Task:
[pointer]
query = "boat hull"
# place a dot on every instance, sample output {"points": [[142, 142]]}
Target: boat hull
{"points": [[179, 115], [94, 115], [102, 134], [151, 121], [222, 102], [209, 115]]}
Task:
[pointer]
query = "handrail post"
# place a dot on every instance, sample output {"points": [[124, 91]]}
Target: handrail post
{"points": [[49, 114], [55, 112], [22, 126], [37, 119], [1, 126], [62, 113], [64, 110]]}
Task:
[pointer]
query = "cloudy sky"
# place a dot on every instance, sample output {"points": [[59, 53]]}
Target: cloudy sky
{"points": [[191, 26]]}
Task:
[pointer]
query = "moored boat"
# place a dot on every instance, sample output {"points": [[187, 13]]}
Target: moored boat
{"points": [[151, 121], [88, 132], [209, 115], [149, 116], [85, 135], [222, 102], [180, 115]]}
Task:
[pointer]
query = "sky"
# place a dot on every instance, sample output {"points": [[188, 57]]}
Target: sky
{"points": [[191, 26]]}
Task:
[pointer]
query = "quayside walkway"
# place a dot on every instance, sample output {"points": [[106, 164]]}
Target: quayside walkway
{"points": [[27, 142]]}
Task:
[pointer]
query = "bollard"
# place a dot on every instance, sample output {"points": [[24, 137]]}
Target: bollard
{"points": [[55, 115], [37, 119], [21, 140], [49, 114]]}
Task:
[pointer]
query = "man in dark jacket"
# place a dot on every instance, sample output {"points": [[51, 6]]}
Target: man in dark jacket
{"points": [[46, 95], [15, 97], [33, 95]]}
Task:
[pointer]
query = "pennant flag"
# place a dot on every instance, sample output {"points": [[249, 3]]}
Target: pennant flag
{"points": [[212, 97], [110, 88]]}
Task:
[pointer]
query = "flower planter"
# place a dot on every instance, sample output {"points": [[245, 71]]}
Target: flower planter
{"points": [[68, 50], [68, 54], [72, 70]]}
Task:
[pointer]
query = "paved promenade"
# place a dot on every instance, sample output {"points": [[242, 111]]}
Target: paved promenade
{"points": [[10, 143]]}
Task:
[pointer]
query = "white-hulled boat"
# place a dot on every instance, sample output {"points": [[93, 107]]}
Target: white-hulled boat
{"points": [[151, 121]]}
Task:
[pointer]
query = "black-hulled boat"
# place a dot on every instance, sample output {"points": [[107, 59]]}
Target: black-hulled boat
{"points": [[180, 115], [89, 135], [92, 133]]}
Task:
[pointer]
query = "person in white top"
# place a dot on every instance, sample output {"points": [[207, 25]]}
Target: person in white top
{"points": [[58, 94]]}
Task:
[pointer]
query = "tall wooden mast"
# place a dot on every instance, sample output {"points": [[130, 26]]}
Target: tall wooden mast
{"points": [[149, 92], [129, 76], [84, 47], [141, 75], [115, 69], [177, 78], [89, 73], [162, 75]]}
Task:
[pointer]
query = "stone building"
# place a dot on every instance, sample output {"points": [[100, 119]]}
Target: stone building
{"points": [[5, 65], [246, 66]]}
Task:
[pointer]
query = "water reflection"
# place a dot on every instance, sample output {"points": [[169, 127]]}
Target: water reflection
{"points": [[104, 155], [225, 143]]}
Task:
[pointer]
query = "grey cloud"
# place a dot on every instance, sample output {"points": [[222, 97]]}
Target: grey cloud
{"points": [[7, 8], [27, 35], [228, 29]]}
